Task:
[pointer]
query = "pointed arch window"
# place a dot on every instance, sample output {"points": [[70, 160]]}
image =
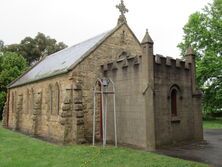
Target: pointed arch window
{"points": [[54, 99], [27, 101], [57, 99], [31, 101], [13, 102], [50, 99], [174, 103]]}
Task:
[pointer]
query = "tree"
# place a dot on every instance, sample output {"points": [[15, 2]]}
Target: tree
{"points": [[11, 66], [32, 49], [204, 33], [1, 45]]}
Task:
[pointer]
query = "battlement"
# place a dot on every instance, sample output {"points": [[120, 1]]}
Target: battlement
{"points": [[122, 63], [132, 61], [170, 62]]}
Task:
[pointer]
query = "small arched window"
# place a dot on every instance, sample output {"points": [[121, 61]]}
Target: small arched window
{"points": [[174, 102], [27, 101], [31, 101], [13, 102], [50, 98], [57, 98]]}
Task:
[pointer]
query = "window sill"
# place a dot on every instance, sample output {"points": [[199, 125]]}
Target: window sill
{"points": [[175, 119]]}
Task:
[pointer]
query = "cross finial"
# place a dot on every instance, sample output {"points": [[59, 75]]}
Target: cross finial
{"points": [[122, 8]]}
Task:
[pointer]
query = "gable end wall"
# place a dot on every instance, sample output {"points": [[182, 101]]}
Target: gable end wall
{"points": [[90, 70]]}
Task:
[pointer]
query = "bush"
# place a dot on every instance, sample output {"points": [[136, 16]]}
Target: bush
{"points": [[12, 65], [2, 101]]}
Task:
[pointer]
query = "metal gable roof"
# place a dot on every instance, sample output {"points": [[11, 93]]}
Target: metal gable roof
{"points": [[59, 62]]}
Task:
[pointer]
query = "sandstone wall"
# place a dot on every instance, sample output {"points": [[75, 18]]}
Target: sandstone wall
{"points": [[169, 74], [31, 110], [90, 69], [129, 81]]}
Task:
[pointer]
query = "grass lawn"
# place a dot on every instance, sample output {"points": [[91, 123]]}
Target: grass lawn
{"points": [[17, 150], [212, 124]]}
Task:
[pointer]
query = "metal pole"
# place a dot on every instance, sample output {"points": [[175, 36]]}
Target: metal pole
{"points": [[114, 111], [103, 115], [94, 116], [104, 111]]}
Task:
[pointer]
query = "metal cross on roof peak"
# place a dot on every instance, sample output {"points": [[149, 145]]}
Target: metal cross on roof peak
{"points": [[122, 8]]}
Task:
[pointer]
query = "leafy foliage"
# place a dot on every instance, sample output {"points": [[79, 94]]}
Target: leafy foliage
{"points": [[32, 49], [1, 45], [11, 66], [2, 102], [204, 33], [15, 58]]}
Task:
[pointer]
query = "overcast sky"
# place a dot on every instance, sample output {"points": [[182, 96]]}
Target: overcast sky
{"points": [[73, 21]]}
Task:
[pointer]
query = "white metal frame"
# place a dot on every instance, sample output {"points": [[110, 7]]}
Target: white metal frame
{"points": [[104, 95]]}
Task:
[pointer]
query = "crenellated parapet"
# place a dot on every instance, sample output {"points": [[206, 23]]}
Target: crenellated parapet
{"points": [[170, 62], [122, 63]]}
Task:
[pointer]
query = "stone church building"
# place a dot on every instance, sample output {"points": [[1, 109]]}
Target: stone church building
{"points": [[157, 101]]}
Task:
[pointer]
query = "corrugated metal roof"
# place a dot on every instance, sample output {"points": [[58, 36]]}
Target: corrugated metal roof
{"points": [[59, 62]]}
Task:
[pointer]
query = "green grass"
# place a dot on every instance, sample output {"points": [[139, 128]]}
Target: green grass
{"points": [[17, 150], [212, 124]]}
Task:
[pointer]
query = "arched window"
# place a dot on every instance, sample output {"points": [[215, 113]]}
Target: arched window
{"points": [[13, 102], [57, 98], [50, 99], [31, 101], [27, 101], [20, 104], [174, 102]]}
